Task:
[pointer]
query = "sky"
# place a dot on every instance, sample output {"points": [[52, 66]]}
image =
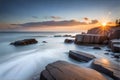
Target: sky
{"points": [[56, 15]]}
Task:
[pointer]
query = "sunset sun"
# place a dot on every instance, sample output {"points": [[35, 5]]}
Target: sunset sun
{"points": [[104, 24]]}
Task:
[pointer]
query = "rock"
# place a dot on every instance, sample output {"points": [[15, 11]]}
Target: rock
{"points": [[115, 45], [117, 56], [106, 53], [24, 42], [67, 35], [62, 70], [115, 34], [97, 47], [44, 41], [80, 56], [107, 67], [69, 41], [57, 36], [108, 50], [90, 39]]}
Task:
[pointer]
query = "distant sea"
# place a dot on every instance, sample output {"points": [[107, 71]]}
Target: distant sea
{"points": [[26, 62]]}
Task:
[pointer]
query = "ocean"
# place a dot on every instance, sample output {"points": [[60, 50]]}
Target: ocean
{"points": [[27, 62]]}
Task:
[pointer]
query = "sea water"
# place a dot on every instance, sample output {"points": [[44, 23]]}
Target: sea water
{"points": [[27, 62]]}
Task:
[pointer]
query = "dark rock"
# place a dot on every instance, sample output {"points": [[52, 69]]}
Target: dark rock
{"points": [[117, 56], [80, 56], [115, 45], [69, 41], [108, 50], [24, 42], [107, 67], [115, 34], [44, 41], [67, 35], [62, 70], [97, 47], [90, 39], [106, 53], [57, 36]]}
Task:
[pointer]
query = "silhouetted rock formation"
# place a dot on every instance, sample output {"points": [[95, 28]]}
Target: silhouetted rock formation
{"points": [[107, 67], [110, 32], [62, 70], [24, 42], [80, 56], [115, 34], [69, 41]]}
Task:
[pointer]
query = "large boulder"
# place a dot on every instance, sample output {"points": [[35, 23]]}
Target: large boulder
{"points": [[24, 42], [90, 39], [107, 67], [80, 56], [115, 45], [62, 70], [115, 34]]}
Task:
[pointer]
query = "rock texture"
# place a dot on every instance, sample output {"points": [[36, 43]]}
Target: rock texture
{"points": [[69, 41], [115, 34], [62, 70], [24, 42], [115, 45], [107, 67], [90, 39], [80, 56]]}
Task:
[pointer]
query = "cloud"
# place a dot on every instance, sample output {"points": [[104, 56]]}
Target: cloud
{"points": [[9, 26], [54, 23], [94, 21], [86, 19], [46, 24], [53, 17]]}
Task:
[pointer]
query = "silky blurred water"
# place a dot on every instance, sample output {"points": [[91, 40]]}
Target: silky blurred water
{"points": [[26, 62]]}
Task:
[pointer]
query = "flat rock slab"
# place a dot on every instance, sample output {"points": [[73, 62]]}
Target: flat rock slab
{"points": [[107, 67], [62, 70], [80, 56]]}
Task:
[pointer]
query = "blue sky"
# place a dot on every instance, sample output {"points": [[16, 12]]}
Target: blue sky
{"points": [[24, 11]]}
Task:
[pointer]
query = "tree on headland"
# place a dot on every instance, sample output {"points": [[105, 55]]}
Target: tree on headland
{"points": [[118, 22]]}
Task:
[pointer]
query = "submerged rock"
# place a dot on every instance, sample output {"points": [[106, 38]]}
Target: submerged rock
{"points": [[80, 56], [69, 41], [24, 42], [107, 67], [97, 47], [44, 41], [62, 70]]}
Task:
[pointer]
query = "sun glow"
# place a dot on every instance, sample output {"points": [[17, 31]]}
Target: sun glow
{"points": [[104, 24]]}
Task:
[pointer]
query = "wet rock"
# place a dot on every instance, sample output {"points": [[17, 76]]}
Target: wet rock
{"points": [[108, 50], [67, 35], [115, 45], [107, 67], [117, 56], [24, 42], [106, 53], [44, 41], [97, 47], [57, 35], [62, 70], [80, 56], [90, 39], [69, 41]]}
